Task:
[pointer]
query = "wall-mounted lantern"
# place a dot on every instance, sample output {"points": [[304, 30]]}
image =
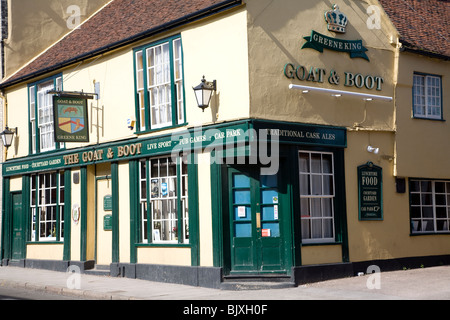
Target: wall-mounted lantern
{"points": [[8, 135], [203, 93], [373, 149]]}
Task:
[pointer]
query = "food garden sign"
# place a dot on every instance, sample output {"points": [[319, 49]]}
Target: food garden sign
{"points": [[370, 192]]}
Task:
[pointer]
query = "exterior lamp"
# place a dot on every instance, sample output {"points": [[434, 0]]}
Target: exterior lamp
{"points": [[339, 93], [203, 93], [7, 136], [373, 149]]}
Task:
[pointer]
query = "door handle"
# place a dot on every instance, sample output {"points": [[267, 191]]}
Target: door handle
{"points": [[258, 220]]}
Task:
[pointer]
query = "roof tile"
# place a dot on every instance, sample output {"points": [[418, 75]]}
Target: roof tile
{"points": [[116, 22], [423, 24]]}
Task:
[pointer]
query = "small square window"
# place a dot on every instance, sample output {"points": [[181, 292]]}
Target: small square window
{"points": [[427, 96]]}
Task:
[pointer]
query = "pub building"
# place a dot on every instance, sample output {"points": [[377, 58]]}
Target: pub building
{"points": [[209, 142]]}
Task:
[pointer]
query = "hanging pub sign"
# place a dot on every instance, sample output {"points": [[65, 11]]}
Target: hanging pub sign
{"points": [[70, 118], [370, 192]]}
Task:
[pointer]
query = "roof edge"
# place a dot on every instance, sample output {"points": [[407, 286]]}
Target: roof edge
{"points": [[5, 80], [406, 47], [201, 14]]}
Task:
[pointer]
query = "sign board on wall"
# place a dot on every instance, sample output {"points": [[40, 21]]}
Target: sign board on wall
{"points": [[318, 41], [70, 119], [107, 222], [370, 192], [107, 203]]}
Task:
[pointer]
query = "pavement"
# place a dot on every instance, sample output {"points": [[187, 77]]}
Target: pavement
{"points": [[417, 284]]}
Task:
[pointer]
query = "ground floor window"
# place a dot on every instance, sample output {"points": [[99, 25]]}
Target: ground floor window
{"points": [[163, 197], [47, 207], [430, 205], [317, 194]]}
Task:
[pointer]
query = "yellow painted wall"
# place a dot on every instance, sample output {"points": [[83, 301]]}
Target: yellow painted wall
{"points": [[17, 99], [276, 31], [374, 239], [389, 238], [45, 251], [164, 255], [422, 145], [115, 73], [116, 77], [204, 208], [15, 184], [75, 231], [321, 254], [104, 237], [245, 50], [90, 226], [124, 212], [217, 50]]}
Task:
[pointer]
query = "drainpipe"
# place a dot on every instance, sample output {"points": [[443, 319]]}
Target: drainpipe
{"points": [[398, 48], [5, 117]]}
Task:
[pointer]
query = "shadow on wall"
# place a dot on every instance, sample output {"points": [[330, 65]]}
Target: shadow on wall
{"points": [[35, 25]]}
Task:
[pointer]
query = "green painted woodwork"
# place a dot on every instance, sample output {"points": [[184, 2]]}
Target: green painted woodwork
{"points": [[67, 214], [83, 216], [256, 222], [115, 211], [18, 230]]}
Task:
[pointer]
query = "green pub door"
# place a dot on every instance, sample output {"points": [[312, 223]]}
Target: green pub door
{"points": [[18, 242], [256, 222]]}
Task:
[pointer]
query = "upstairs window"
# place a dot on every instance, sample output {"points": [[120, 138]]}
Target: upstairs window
{"points": [[159, 85], [427, 96], [42, 136]]}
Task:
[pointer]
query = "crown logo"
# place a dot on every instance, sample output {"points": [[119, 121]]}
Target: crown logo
{"points": [[337, 21]]}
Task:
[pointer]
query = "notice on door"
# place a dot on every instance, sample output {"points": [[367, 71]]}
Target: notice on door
{"points": [[241, 211], [370, 192]]}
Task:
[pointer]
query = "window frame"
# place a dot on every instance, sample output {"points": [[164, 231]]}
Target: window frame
{"points": [[434, 206], [145, 214], [332, 196], [34, 130], [37, 204], [426, 106], [143, 109]]}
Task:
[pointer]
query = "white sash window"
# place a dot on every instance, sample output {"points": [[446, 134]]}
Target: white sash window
{"points": [[159, 85], [317, 193]]}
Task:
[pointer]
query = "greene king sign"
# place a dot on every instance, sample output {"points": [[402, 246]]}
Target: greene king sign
{"points": [[70, 119], [319, 41]]}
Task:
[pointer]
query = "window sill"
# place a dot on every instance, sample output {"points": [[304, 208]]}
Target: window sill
{"points": [[432, 119], [44, 242], [324, 243], [161, 129], [429, 233], [163, 245]]}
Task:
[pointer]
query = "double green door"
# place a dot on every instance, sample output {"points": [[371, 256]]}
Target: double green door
{"points": [[257, 221]]}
